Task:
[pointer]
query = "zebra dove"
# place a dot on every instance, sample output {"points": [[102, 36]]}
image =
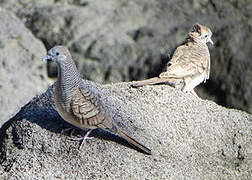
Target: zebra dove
{"points": [[190, 64], [76, 103]]}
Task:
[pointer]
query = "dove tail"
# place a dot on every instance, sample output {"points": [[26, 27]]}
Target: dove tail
{"points": [[134, 142], [150, 81]]}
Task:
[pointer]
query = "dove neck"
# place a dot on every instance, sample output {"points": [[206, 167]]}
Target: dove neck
{"points": [[68, 79], [197, 42], [194, 39]]}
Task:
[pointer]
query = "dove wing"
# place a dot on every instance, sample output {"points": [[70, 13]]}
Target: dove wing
{"points": [[189, 61], [87, 110]]}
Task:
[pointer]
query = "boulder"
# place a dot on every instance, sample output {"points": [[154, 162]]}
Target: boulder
{"points": [[22, 74], [190, 139], [128, 40]]}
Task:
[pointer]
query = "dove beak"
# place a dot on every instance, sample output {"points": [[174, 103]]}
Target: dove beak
{"points": [[210, 41], [47, 58]]}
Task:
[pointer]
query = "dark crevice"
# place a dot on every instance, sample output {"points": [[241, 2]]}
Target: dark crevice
{"points": [[213, 5], [239, 154], [8, 166], [233, 140], [89, 49], [140, 33], [17, 141], [223, 153], [107, 74], [88, 52], [46, 43], [133, 73]]}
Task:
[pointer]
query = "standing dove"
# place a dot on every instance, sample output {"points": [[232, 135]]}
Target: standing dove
{"points": [[76, 103], [190, 64]]}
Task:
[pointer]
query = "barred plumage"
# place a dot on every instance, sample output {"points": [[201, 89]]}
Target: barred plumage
{"points": [[190, 64], [77, 104]]}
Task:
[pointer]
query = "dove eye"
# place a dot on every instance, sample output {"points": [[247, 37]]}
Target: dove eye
{"points": [[57, 53], [206, 36]]}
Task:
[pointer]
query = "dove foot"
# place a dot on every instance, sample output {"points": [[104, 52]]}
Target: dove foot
{"points": [[81, 138]]}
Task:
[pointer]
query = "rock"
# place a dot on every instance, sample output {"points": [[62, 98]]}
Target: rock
{"points": [[131, 40], [189, 138], [22, 74]]}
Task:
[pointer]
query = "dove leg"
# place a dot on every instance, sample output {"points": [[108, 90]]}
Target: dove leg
{"points": [[83, 139], [194, 93], [188, 89]]}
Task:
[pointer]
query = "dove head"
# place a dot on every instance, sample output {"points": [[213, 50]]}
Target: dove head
{"points": [[58, 54], [201, 33], [68, 75]]}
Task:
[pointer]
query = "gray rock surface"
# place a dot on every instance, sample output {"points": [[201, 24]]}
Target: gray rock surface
{"points": [[22, 74], [132, 39], [189, 138]]}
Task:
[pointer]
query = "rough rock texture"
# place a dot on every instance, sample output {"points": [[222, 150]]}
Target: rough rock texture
{"points": [[22, 74], [132, 39], [189, 138]]}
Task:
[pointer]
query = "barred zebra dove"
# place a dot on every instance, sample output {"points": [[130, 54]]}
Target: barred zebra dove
{"points": [[76, 103], [190, 64]]}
